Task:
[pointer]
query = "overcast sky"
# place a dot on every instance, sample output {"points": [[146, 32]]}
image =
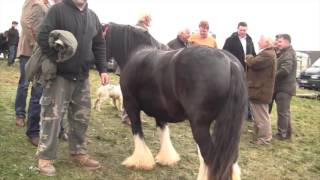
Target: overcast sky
{"points": [[299, 18]]}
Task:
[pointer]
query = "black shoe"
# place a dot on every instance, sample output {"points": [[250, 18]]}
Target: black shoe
{"points": [[63, 136], [281, 137], [34, 141]]}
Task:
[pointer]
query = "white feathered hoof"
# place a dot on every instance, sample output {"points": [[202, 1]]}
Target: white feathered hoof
{"points": [[168, 158], [167, 155], [236, 172], [141, 158]]}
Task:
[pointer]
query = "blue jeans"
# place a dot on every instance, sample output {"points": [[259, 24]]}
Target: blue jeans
{"points": [[34, 109], [22, 91], [12, 54]]}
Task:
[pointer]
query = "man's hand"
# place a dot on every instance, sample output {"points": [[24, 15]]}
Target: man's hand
{"points": [[249, 57], [104, 78]]}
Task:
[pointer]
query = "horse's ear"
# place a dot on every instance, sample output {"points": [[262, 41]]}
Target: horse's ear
{"points": [[106, 28]]}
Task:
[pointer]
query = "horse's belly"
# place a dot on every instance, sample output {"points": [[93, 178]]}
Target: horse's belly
{"points": [[172, 115]]}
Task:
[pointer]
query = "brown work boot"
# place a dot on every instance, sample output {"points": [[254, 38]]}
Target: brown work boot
{"points": [[20, 121], [85, 161], [46, 167], [34, 141]]}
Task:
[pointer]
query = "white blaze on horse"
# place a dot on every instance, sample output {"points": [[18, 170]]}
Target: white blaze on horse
{"points": [[200, 84]]}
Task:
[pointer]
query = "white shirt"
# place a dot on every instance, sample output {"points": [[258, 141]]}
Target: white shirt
{"points": [[244, 44]]}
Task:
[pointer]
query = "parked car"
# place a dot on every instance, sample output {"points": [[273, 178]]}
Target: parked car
{"points": [[310, 78], [303, 62]]}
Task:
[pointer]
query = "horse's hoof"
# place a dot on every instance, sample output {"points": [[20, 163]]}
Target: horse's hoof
{"points": [[130, 162], [167, 161]]}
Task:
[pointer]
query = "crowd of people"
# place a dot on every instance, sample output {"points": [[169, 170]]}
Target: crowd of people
{"points": [[270, 76], [9, 42]]}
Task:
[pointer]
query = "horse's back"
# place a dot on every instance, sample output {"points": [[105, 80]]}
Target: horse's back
{"points": [[168, 83], [202, 76]]}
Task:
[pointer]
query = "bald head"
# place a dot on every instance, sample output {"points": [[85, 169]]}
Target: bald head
{"points": [[184, 34], [145, 19], [265, 42]]}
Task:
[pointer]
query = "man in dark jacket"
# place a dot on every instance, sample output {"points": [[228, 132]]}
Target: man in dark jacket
{"points": [[285, 85], [181, 41], [13, 40], [240, 43], [260, 78], [70, 90]]}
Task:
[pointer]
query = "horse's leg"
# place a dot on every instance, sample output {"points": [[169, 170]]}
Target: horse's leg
{"points": [[201, 134], [167, 154], [203, 169], [236, 172], [142, 157]]}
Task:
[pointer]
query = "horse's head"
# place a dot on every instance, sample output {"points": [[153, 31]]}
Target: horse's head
{"points": [[122, 40]]}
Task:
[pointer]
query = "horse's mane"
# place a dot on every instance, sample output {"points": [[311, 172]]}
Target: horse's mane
{"points": [[122, 40]]}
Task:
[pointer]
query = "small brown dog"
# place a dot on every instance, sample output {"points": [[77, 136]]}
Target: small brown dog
{"points": [[106, 92]]}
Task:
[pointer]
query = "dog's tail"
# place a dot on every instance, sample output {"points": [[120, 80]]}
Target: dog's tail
{"points": [[226, 130]]}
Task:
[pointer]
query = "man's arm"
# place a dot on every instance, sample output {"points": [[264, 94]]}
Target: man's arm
{"points": [[37, 16], [49, 23], [99, 51], [285, 68], [261, 61]]}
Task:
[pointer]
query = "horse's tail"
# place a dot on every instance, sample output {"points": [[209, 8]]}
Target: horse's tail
{"points": [[227, 127]]}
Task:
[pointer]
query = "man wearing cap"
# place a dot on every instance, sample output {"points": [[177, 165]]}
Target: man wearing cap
{"points": [[13, 40]]}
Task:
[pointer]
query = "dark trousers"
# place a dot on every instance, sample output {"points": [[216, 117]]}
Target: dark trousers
{"points": [[22, 90], [271, 104], [283, 110], [34, 109], [12, 54]]}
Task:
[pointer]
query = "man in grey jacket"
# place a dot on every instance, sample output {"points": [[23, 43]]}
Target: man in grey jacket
{"points": [[70, 90], [285, 85]]}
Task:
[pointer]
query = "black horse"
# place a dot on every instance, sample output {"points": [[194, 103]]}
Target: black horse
{"points": [[201, 84], [4, 48]]}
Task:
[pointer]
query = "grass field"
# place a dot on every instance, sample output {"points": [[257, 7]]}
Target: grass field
{"points": [[110, 141]]}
